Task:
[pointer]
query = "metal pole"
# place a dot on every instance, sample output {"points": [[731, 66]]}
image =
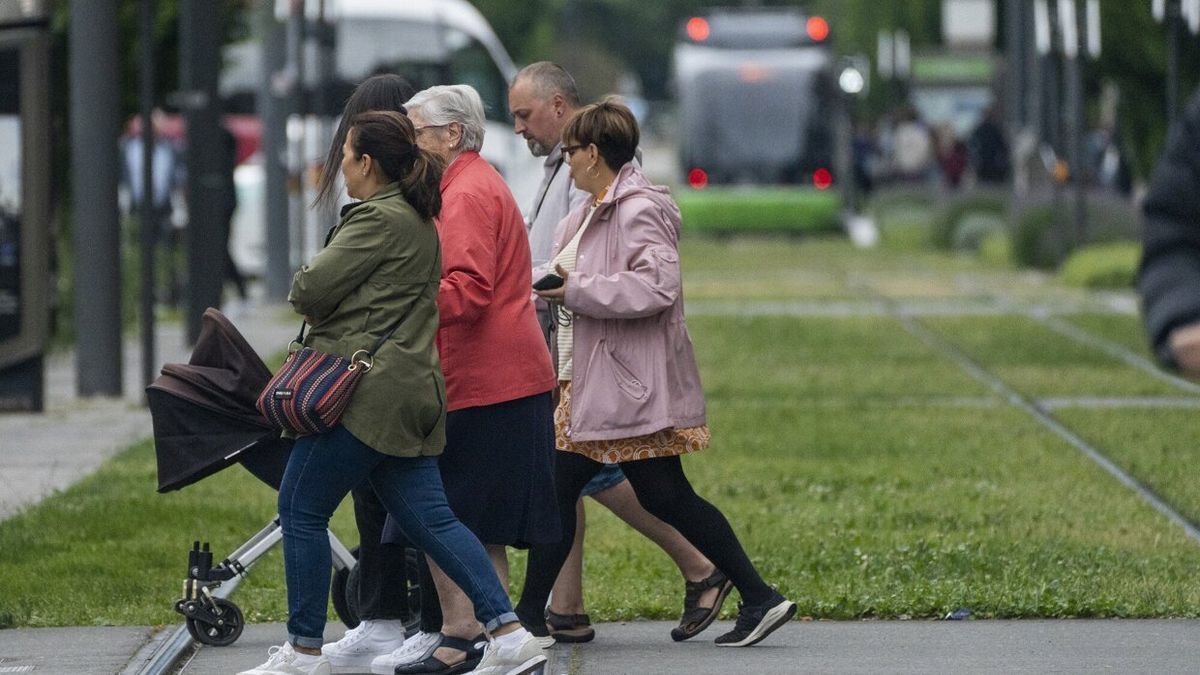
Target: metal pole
{"points": [[272, 105], [207, 159], [295, 54], [95, 121], [149, 224], [1174, 24], [1076, 124]]}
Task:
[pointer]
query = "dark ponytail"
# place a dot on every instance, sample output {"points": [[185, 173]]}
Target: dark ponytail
{"points": [[378, 92], [391, 141]]}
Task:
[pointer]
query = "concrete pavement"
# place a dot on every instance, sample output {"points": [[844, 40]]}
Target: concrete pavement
{"points": [[1070, 646]]}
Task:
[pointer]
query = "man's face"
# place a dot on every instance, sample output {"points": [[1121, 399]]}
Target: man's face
{"points": [[539, 121]]}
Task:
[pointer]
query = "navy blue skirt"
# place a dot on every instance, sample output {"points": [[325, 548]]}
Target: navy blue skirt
{"points": [[498, 470]]}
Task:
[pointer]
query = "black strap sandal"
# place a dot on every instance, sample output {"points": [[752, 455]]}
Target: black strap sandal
{"points": [[473, 649], [695, 618], [570, 627]]}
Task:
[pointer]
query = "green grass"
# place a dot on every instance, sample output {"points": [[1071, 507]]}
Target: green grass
{"points": [[1125, 331], [867, 474], [741, 210], [1038, 362]]}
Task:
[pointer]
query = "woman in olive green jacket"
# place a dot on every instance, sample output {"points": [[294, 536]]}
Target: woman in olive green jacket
{"points": [[379, 269]]}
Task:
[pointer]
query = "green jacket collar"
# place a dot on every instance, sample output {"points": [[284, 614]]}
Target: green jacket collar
{"points": [[390, 190]]}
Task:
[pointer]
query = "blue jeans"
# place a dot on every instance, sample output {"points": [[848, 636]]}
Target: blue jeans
{"points": [[320, 472]]}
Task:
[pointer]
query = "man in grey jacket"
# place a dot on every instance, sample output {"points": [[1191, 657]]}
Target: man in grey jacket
{"points": [[542, 98], [1169, 278]]}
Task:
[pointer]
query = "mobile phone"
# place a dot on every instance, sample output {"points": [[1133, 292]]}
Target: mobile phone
{"points": [[548, 282]]}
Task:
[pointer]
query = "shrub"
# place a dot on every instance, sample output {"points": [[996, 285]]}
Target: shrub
{"points": [[1044, 236], [974, 228], [996, 249], [1035, 242], [947, 222], [1112, 265]]}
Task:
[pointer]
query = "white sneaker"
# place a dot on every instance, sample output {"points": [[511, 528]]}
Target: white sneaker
{"points": [[284, 660], [362, 644], [501, 657], [416, 648]]}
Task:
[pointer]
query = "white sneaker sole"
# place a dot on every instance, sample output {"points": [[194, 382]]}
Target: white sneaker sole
{"points": [[534, 665], [547, 642], [774, 618]]}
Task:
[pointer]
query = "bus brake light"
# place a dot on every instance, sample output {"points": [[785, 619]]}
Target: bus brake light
{"points": [[697, 29], [818, 28], [822, 179]]}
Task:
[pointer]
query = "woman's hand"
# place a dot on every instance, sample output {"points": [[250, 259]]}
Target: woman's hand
{"points": [[556, 294]]}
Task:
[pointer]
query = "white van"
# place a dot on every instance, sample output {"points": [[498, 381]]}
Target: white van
{"points": [[429, 42]]}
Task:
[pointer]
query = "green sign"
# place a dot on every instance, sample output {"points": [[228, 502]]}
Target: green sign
{"points": [[952, 68]]}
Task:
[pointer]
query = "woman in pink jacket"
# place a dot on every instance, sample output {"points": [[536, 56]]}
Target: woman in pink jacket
{"points": [[629, 387]]}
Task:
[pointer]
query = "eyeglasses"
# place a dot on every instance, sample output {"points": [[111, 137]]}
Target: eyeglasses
{"points": [[569, 150], [429, 126]]}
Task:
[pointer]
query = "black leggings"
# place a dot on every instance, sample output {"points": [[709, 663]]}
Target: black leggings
{"points": [[664, 491]]}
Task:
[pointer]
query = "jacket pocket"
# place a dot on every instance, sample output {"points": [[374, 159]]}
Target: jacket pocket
{"points": [[435, 408], [626, 380]]}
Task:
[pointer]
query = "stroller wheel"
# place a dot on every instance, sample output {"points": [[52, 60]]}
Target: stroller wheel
{"points": [[223, 628], [343, 591]]}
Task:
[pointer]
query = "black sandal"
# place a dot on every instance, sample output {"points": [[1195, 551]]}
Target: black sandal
{"points": [[695, 618], [569, 627], [473, 649]]}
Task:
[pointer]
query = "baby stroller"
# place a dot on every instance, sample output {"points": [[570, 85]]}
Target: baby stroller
{"points": [[204, 421]]}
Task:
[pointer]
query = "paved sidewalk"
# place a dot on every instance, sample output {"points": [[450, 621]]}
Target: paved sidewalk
{"points": [[42, 453], [1078, 646]]}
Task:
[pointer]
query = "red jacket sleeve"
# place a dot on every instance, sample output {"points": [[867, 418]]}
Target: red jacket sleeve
{"points": [[468, 233]]}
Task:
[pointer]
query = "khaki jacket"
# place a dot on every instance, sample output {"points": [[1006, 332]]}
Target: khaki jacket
{"points": [[381, 265]]}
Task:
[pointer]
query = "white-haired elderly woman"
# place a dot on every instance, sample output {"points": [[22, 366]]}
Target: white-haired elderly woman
{"points": [[498, 465]]}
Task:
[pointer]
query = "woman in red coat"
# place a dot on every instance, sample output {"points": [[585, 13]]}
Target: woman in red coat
{"points": [[498, 464]]}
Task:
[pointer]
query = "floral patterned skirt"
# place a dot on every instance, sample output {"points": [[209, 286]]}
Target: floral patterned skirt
{"points": [[664, 443]]}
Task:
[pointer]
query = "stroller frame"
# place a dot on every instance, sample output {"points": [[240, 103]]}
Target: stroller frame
{"points": [[213, 619], [205, 420]]}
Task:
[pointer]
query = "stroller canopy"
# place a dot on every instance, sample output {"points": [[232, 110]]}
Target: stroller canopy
{"points": [[204, 411]]}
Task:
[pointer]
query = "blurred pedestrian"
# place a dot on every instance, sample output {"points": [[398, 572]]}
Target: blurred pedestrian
{"points": [[229, 203], [912, 147], [634, 395], [951, 155], [541, 99], [1169, 276], [988, 147], [378, 273], [166, 177], [498, 467], [382, 598]]}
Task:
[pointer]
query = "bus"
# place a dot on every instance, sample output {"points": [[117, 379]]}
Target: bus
{"points": [[429, 42], [756, 98]]}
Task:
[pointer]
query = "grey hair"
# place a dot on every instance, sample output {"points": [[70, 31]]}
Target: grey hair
{"points": [[548, 79], [444, 104]]}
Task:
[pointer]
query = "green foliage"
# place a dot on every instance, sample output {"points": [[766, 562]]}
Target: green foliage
{"points": [[1045, 235], [1112, 265], [996, 249], [723, 211], [945, 231], [1036, 240]]}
